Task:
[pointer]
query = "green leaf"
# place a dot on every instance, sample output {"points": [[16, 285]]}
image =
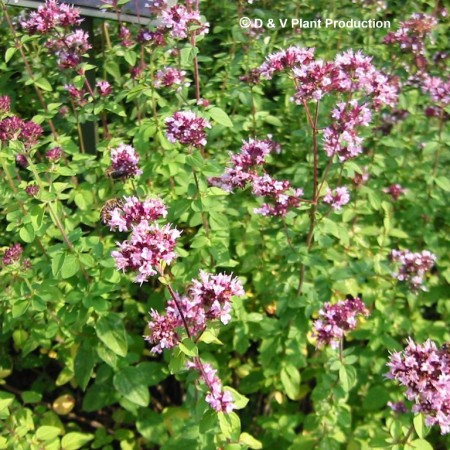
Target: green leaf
{"points": [[131, 383], [240, 401], [290, 379], [250, 441], [47, 433], [230, 425], [44, 84], [10, 53], [188, 348], [420, 444], [111, 331], [419, 425], [84, 365], [31, 397], [220, 116], [70, 267], [347, 377], [26, 233], [75, 440], [57, 263]]}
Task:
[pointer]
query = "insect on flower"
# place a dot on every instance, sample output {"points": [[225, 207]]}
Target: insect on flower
{"points": [[108, 207]]}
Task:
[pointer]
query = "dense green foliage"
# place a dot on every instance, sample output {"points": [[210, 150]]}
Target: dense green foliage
{"points": [[75, 371]]}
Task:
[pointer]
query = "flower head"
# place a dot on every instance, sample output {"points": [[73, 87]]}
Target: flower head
{"points": [[337, 198], [424, 370], [12, 254], [54, 154], [125, 160], [335, 320], [413, 267], [187, 128]]}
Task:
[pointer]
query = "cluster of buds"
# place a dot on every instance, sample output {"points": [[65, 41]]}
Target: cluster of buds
{"points": [[424, 369], [413, 267], [243, 172], [13, 255], [187, 128], [335, 320], [14, 128], [149, 245]]}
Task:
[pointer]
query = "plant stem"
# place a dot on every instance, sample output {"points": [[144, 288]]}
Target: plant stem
{"points": [[313, 209]]}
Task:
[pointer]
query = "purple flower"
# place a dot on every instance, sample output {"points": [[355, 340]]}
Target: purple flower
{"points": [[104, 88], [395, 191], [337, 198], [125, 37], [170, 76], [125, 160], [179, 20], [123, 215], [398, 407], [157, 6], [335, 320], [54, 154], [12, 128], [5, 105], [425, 371], [412, 33], [285, 59], [21, 161], [214, 293], [413, 267], [218, 399], [187, 128], [341, 137], [163, 331], [32, 190], [437, 88], [50, 16], [12, 254], [146, 249]]}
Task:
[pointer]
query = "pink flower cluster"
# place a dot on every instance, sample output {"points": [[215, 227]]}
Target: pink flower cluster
{"points": [[69, 48], [149, 245], [218, 399], [180, 21], [209, 298], [124, 162], [5, 105], [124, 215], [351, 72], [335, 320], [104, 88], [244, 172], [50, 16], [187, 128], [54, 154], [413, 267], [395, 191], [424, 370], [337, 198], [12, 254], [438, 89], [12, 128], [170, 76], [412, 33], [341, 137]]}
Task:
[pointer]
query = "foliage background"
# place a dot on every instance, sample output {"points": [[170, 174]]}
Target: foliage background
{"points": [[74, 368]]}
